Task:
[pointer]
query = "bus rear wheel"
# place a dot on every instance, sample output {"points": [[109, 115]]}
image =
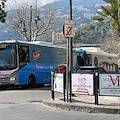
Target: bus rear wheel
{"points": [[32, 81]]}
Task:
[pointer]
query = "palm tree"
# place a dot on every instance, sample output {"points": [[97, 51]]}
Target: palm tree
{"points": [[110, 11], [109, 1]]}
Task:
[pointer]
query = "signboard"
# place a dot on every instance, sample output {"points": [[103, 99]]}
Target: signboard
{"points": [[109, 84], [82, 83], [68, 28], [58, 82]]}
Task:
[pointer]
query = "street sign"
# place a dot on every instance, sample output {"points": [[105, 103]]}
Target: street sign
{"points": [[68, 28]]}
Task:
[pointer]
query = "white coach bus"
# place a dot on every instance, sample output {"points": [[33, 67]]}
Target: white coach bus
{"points": [[91, 56]]}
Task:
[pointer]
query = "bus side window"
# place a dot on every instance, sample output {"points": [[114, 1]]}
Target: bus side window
{"points": [[23, 55], [87, 60]]}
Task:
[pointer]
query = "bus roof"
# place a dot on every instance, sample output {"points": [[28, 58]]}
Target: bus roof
{"points": [[48, 44], [96, 51], [80, 51]]}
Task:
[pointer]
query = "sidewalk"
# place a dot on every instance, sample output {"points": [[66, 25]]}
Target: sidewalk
{"points": [[85, 103]]}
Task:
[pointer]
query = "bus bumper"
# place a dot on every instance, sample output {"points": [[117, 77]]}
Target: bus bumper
{"points": [[9, 80]]}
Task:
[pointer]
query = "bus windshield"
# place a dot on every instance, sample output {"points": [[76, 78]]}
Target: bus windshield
{"points": [[8, 57], [81, 59]]}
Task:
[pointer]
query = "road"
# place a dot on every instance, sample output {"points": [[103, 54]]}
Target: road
{"points": [[25, 104]]}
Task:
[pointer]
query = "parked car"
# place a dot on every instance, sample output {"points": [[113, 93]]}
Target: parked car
{"points": [[90, 69]]}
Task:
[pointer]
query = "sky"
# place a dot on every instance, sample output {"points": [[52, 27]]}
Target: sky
{"points": [[10, 3]]}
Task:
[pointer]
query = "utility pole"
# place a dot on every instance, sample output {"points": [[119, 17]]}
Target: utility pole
{"points": [[30, 23], [70, 54]]}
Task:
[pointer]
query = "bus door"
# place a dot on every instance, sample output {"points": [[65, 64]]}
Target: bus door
{"points": [[23, 61]]}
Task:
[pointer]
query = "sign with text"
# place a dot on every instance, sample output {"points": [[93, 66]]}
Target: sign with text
{"points": [[109, 84], [58, 82], [68, 28], [82, 84]]}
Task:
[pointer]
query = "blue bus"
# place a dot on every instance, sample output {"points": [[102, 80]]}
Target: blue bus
{"points": [[29, 63]]}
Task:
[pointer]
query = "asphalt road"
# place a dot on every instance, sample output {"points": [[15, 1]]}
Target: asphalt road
{"points": [[25, 104]]}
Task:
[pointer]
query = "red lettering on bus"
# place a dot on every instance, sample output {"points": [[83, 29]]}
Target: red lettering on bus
{"points": [[36, 55]]}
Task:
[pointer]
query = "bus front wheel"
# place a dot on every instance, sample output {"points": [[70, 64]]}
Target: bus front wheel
{"points": [[32, 81]]}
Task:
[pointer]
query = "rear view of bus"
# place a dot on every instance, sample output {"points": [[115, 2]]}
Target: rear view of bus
{"points": [[8, 64]]}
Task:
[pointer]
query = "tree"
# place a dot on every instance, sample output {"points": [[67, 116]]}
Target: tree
{"points": [[109, 1], [3, 14], [111, 47], [111, 11], [30, 21]]}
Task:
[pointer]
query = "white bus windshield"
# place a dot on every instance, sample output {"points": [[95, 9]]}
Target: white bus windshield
{"points": [[81, 59], [8, 59]]}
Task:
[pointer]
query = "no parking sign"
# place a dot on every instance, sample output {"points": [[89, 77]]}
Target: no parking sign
{"points": [[68, 28]]}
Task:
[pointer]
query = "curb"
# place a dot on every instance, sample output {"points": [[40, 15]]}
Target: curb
{"points": [[82, 108]]}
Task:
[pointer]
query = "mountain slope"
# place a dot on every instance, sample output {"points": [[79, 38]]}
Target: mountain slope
{"points": [[95, 33], [82, 22]]}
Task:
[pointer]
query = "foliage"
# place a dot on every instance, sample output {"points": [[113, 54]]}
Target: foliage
{"points": [[95, 33], [109, 1], [3, 14], [112, 11], [111, 47]]}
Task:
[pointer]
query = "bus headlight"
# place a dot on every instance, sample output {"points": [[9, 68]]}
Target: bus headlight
{"points": [[13, 78]]}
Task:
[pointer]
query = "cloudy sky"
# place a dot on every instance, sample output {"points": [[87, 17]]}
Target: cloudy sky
{"points": [[10, 3]]}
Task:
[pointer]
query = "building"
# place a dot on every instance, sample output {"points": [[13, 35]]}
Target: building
{"points": [[58, 38]]}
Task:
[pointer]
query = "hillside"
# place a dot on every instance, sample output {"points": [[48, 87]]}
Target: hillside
{"points": [[86, 30], [94, 33]]}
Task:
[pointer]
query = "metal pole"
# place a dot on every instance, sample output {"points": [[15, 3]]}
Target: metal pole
{"points": [[96, 88], [52, 84], [64, 85], [70, 53], [71, 9], [67, 72], [30, 22]]}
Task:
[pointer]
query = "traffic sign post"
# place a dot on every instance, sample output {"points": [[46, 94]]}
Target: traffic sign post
{"points": [[68, 28], [68, 31], [70, 52]]}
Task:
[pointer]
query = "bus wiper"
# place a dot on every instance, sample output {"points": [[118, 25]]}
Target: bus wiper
{"points": [[2, 66], [2, 48]]}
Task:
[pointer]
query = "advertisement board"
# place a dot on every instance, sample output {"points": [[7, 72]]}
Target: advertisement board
{"points": [[58, 82], [82, 83], [109, 84]]}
